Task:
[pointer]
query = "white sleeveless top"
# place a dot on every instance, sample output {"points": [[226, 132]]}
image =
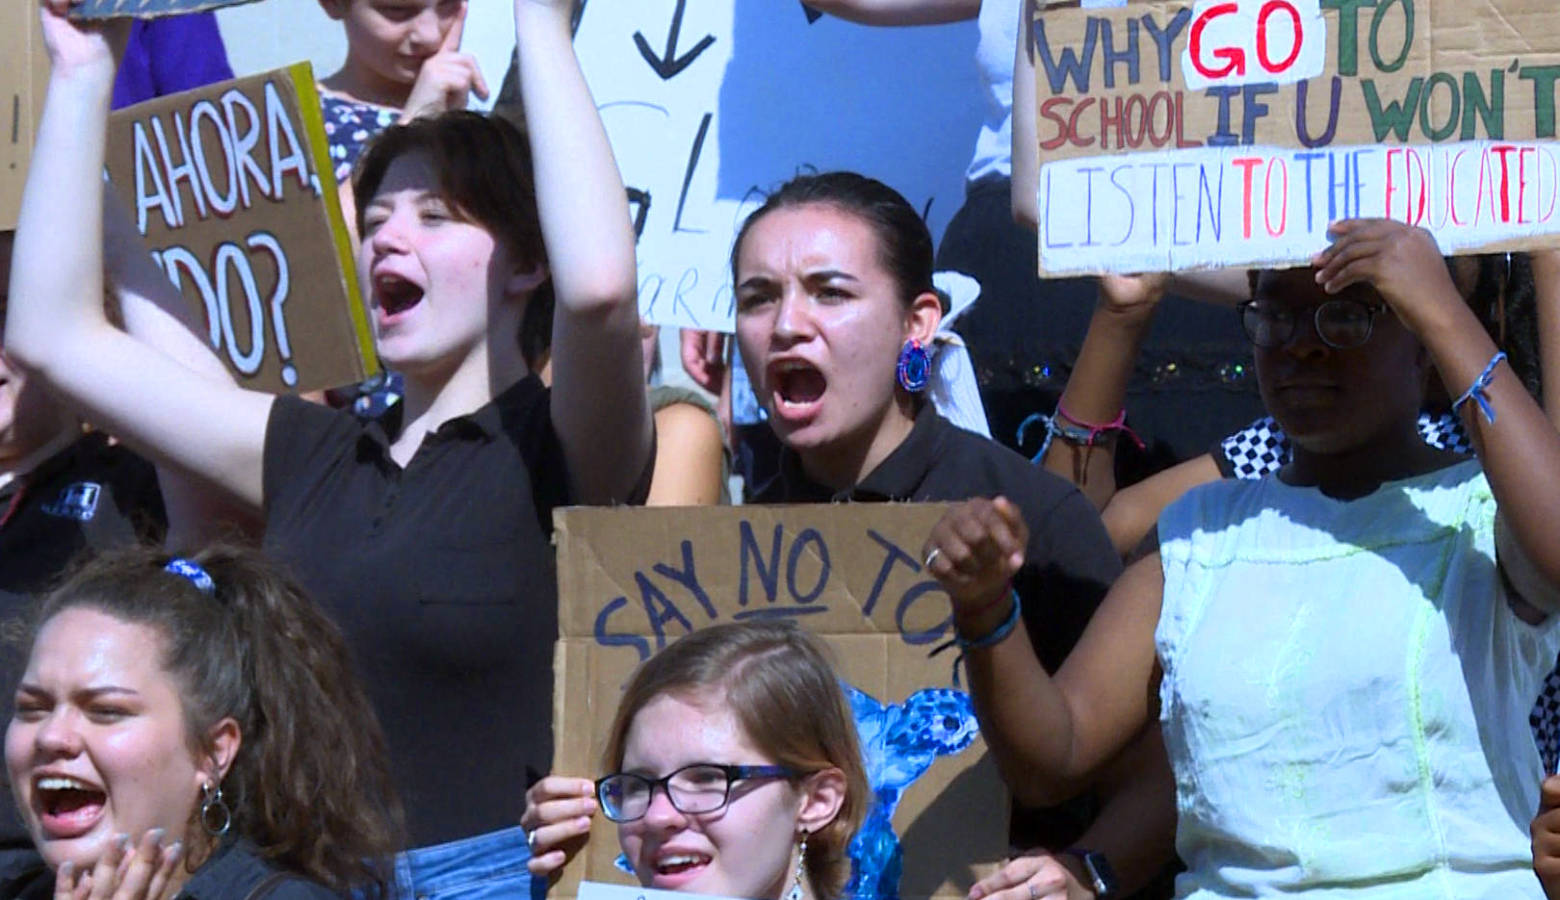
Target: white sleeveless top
{"points": [[1346, 693], [994, 54]]}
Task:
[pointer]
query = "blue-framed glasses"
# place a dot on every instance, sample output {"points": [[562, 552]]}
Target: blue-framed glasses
{"points": [[699, 788]]}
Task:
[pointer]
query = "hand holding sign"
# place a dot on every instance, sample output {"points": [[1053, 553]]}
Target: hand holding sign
{"points": [[557, 821], [75, 45], [448, 77], [1400, 261]]}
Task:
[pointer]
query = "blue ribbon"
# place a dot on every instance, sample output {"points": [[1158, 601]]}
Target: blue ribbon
{"points": [[1479, 390]]}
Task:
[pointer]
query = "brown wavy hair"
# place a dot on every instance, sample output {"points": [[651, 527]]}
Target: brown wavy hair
{"points": [[310, 785], [779, 684]]}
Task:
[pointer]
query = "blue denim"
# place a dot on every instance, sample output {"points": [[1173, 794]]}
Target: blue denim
{"points": [[482, 867]]}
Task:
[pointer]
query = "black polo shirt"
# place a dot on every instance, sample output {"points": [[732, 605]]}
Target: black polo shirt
{"points": [[1069, 565], [93, 495], [442, 577]]}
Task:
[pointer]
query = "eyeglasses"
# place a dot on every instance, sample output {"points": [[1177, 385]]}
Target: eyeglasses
{"points": [[1341, 323], [699, 788]]}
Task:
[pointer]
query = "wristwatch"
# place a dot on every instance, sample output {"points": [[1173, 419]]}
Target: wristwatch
{"points": [[1101, 875]]}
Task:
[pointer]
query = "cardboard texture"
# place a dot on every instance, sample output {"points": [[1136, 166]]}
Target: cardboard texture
{"points": [[224, 183], [1232, 132], [632, 580], [147, 9], [24, 74]]}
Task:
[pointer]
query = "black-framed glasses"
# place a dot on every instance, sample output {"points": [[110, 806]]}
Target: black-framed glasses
{"points": [[699, 788], [1341, 323]]}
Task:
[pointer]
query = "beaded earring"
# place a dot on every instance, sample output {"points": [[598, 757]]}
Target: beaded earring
{"points": [[915, 365], [797, 892]]}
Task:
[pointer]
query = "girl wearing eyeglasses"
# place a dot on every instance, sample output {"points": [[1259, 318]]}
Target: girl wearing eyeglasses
{"points": [[1341, 657], [734, 771]]}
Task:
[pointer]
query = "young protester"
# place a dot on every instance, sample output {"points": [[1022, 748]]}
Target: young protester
{"points": [[403, 60], [835, 306], [1392, 576], [733, 770], [430, 544], [192, 726]]}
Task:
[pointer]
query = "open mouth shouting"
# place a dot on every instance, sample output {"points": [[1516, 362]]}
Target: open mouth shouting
{"points": [[67, 807], [796, 390], [394, 296]]}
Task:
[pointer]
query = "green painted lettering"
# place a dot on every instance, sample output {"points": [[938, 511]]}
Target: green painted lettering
{"points": [[1348, 33], [1375, 35], [1438, 133], [1396, 117], [1543, 78], [1490, 109]]}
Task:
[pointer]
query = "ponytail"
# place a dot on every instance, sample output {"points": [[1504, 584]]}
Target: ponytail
{"points": [[310, 785]]}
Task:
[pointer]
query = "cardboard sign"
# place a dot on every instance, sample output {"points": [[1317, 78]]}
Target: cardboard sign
{"points": [[710, 104], [1232, 132], [224, 183], [146, 9], [24, 76], [630, 581]]}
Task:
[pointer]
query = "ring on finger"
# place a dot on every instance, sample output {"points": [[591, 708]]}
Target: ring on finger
{"points": [[936, 552], [530, 841]]}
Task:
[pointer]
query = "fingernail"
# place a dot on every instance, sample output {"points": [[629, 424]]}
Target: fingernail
{"points": [[67, 869], [122, 841], [156, 835], [175, 851]]}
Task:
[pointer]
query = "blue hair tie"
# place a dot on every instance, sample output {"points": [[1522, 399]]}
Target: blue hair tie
{"points": [[193, 572]]}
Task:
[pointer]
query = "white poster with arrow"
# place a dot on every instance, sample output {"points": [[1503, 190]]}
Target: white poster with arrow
{"points": [[711, 103]]}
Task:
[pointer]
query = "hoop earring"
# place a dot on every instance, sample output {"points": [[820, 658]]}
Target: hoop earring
{"points": [[215, 817], [915, 365], [797, 892]]}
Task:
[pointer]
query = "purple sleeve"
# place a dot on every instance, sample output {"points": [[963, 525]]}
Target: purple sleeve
{"points": [[169, 55]]}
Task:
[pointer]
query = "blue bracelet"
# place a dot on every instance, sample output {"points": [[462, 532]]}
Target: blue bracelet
{"points": [[1479, 390], [995, 636]]}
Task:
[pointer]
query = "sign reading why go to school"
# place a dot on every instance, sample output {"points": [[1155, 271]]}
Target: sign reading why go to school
{"points": [[1233, 132]]}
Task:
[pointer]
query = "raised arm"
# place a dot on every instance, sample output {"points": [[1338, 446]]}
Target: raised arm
{"points": [[1047, 734], [56, 326], [599, 407], [1520, 448], [899, 12], [1097, 389]]}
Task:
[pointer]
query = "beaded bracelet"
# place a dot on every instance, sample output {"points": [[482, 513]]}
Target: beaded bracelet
{"points": [[994, 636], [1478, 392]]}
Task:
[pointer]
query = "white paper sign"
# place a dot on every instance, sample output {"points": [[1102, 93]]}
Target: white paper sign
{"points": [[1253, 206], [598, 890], [1239, 42], [711, 103]]}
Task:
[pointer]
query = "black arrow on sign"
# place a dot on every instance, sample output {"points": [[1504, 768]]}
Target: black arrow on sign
{"points": [[669, 64], [812, 14]]}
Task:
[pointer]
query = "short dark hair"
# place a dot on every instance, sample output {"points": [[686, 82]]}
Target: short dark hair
{"points": [[310, 785], [483, 165], [904, 243]]}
